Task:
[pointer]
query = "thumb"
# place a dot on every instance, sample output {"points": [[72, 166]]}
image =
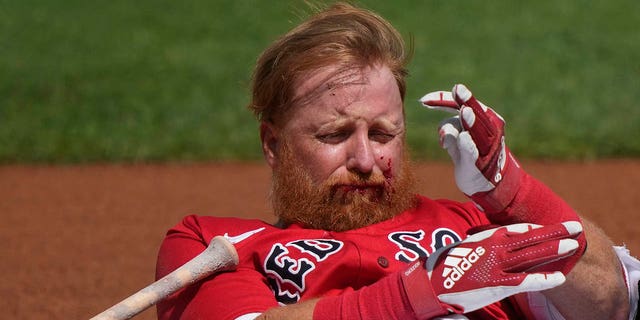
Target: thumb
{"points": [[483, 296], [541, 281]]}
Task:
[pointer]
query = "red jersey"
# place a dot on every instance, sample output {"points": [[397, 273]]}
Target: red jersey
{"points": [[284, 266]]}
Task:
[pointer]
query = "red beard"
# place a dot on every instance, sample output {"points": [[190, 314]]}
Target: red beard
{"points": [[340, 203]]}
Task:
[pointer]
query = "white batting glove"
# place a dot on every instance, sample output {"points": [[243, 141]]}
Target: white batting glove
{"points": [[488, 267], [485, 169]]}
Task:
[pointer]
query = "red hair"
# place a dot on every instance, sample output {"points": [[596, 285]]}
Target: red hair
{"points": [[343, 36]]}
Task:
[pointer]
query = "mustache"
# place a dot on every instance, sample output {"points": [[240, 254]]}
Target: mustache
{"points": [[358, 180], [357, 187]]}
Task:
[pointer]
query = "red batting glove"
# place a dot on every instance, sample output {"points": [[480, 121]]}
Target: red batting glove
{"points": [[488, 267], [485, 169], [487, 172]]}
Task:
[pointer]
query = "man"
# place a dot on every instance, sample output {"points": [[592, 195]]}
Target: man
{"points": [[353, 236]]}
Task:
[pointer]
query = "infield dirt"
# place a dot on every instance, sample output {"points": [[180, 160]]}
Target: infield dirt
{"points": [[78, 239]]}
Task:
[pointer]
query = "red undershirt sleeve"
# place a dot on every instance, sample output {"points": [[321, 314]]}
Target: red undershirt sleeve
{"points": [[402, 295]]}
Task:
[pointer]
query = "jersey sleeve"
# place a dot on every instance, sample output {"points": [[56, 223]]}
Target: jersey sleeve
{"points": [[225, 295]]}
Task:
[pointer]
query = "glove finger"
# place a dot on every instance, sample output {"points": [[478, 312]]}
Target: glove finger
{"points": [[448, 140], [538, 255], [542, 281], [513, 228], [464, 97], [469, 178], [539, 234], [440, 100], [524, 234], [481, 121], [510, 284], [468, 150], [451, 127], [483, 134]]}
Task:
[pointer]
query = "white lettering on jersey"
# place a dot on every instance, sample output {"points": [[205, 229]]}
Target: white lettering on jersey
{"points": [[443, 237], [410, 245], [286, 274], [320, 249]]}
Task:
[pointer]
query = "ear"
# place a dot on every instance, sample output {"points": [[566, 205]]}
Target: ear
{"points": [[269, 138]]}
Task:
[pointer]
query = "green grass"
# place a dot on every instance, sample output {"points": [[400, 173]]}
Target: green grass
{"points": [[167, 80]]}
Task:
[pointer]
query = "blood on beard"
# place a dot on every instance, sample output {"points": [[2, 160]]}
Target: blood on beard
{"points": [[345, 192], [340, 203]]}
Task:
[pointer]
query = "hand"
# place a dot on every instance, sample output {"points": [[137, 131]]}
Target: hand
{"points": [[490, 266], [487, 172], [485, 169]]}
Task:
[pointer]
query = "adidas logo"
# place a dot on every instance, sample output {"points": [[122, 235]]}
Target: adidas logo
{"points": [[458, 261]]}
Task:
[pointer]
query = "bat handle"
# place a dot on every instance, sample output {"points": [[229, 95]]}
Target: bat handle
{"points": [[219, 256]]}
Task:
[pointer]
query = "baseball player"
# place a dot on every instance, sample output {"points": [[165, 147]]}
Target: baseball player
{"points": [[355, 241]]}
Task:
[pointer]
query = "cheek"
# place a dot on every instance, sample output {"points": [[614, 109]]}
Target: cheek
{"points": [[320, 161], [389, 159]]}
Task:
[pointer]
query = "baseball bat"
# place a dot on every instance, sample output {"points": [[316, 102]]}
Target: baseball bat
{"points": [[219, 256]]}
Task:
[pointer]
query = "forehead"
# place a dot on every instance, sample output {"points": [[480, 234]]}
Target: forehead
{"points": [[368, 92]]}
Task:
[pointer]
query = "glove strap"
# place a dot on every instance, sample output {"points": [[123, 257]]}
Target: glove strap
{"points": [[419, 292], [496, 200], [401, 295]]}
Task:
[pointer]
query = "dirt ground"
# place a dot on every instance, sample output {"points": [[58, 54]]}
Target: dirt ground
{"points": [[78, 239]]}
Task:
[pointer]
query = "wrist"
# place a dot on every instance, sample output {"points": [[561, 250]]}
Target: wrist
{"points": [[505, 191], [420, 293], [402, 295], [537, 203], [384, 297]]}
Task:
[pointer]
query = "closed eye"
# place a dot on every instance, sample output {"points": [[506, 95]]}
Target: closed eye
{"points": [[333, 137], [380, 136]]}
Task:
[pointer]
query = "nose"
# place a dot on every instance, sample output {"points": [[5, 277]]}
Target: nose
{"points": [[361, 158]]}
